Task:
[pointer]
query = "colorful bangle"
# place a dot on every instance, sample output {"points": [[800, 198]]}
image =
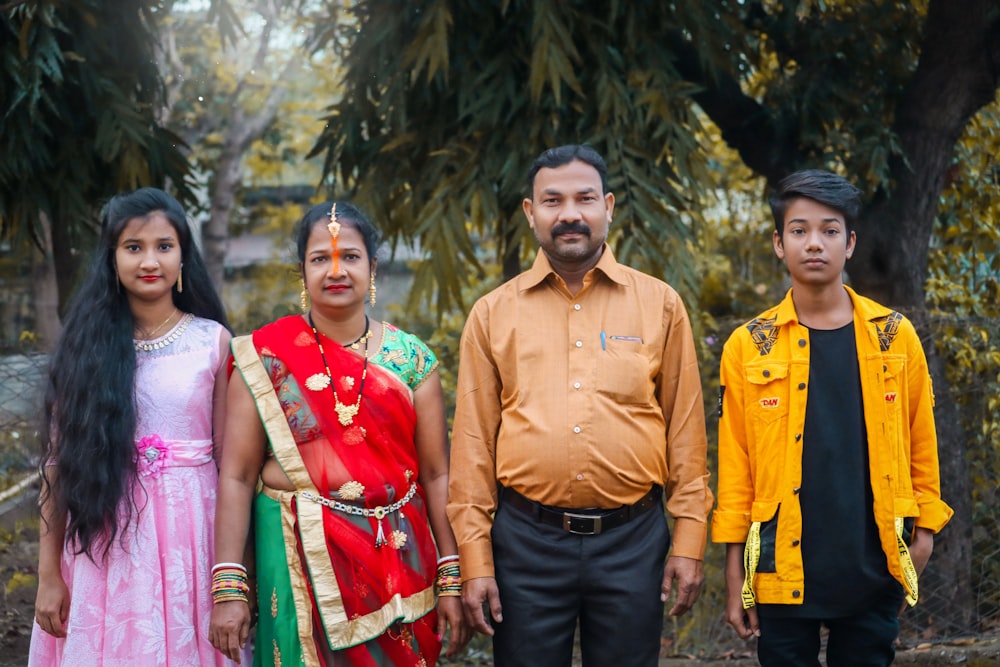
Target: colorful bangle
{"points": [[449, 579], [230, 582], [447, 559], [238, 566]]}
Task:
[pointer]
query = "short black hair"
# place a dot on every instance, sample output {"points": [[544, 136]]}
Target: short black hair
{"points": [[563, 155], [821, 186]]}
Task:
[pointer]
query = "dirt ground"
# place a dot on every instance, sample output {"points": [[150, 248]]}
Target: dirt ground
{"points": [[18, 576]]}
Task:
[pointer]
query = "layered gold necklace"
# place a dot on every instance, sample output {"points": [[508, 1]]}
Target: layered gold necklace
{"points": [[318, 382], [148, 335]]}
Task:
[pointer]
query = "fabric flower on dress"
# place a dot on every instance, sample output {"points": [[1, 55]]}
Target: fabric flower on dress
{"points": [[351, 490], [317, 382], [153, 456], [398, 539]]}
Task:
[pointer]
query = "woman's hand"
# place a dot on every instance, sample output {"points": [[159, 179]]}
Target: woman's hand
{"points": [[450, 615], [229, 628], [52, 605]]}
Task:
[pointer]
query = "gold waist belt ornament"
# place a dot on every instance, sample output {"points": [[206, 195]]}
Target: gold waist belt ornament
{"points": [[379, 512]]}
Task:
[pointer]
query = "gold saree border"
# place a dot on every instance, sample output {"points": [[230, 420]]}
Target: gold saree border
{"points": [[340, 631]]}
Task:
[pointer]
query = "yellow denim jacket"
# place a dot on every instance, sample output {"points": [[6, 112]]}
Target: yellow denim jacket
{"points": [[762, 411]]}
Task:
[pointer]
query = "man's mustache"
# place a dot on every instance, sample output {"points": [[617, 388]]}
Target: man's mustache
{"points": [[570, 228]]}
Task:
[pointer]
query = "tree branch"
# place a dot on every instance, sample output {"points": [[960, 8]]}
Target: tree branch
{"points": [[765, 144]]}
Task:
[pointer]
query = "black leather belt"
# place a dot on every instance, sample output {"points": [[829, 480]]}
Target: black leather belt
{"points": [[585, 521]]}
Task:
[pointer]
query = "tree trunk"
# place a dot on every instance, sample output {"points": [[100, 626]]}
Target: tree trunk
{"points": [[67, 259], [953, 81], [45, 289], [215, 235]]}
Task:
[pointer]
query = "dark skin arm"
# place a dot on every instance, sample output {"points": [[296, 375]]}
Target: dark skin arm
{"points": [[921, 549], [242, 458], [744, 621]]}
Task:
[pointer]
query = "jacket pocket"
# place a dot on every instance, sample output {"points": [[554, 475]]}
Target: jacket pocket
{"points": [[767, 391]]}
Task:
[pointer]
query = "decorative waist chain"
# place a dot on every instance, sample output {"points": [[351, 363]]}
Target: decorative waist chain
{"points": [[379, 512]]}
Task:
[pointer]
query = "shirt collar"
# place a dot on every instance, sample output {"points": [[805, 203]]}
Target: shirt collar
{"points": [[541, 269]]}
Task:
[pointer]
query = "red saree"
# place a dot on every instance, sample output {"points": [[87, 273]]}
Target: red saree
{"points": [[336, 586]]}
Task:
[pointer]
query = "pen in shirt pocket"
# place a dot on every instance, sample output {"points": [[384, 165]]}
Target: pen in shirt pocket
{"points": [[627, 339]]}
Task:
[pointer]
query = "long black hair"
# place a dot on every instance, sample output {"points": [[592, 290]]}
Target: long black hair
{"points": [[90, 413]]}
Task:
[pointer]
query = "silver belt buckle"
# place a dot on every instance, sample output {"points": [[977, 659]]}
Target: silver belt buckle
{"points": [[568, 523]]}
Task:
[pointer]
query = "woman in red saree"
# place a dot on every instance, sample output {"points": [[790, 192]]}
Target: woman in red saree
{"points": [[341, 419]]}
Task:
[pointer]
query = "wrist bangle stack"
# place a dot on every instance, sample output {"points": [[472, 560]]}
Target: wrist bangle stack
{"points": [[449, 577], [230, 582]]}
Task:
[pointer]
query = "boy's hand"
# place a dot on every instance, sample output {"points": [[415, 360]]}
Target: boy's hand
{"points": [[921, 548], [744, 621]]}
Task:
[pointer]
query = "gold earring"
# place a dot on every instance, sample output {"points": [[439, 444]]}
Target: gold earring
{"points": [[371, 290], [180, 279], [304, 297]]}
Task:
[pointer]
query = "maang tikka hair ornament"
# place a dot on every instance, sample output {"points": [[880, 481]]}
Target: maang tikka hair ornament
{"points": [[334, 228]]}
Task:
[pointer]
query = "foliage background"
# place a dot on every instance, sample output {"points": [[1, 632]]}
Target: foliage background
{"points": [[715, 248]]}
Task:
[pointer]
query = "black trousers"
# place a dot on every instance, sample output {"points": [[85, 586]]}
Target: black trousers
{"points": [[866, 639], [549, 579]]}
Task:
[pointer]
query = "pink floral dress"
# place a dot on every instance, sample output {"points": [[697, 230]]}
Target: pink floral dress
{"points": [[150, 603]]}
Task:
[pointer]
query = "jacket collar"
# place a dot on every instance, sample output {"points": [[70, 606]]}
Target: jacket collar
{"points": [[864, 308]]}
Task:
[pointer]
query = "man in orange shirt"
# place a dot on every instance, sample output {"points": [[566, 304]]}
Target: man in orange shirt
{"points": [[579, 413]]}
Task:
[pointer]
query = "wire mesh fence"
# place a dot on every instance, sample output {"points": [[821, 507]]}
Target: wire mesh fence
{"points": [[21, 378]]}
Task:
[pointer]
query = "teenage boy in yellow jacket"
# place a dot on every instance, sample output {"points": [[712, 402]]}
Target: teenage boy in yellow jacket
{"points": [[829, 491]]}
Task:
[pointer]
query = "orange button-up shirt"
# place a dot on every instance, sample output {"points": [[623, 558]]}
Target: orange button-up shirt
{"points": [[578, 402]]}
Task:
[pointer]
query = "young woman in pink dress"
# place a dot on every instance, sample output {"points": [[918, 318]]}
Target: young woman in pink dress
{"points": [[133, 412]]}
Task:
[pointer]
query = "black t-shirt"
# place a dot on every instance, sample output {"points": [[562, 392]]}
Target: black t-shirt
{"points": [[844, 566]]}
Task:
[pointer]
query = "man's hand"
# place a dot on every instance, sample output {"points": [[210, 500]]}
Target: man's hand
{"points": [[476, 595], [688, 574]]}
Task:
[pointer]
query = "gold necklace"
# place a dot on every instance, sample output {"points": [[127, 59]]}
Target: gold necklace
{"points": [[345, 413], [145, 346], [146, 335], [363, 338]]}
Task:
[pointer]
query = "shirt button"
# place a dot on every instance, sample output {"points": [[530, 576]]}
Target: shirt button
{"points": [[579, 343], [576, 385], [577, 429], [767, 373], [579, 477], [798, 436], [796, 593], [802, 342], [796, 490], [576, 306], [795, 543], [802, 385]]}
